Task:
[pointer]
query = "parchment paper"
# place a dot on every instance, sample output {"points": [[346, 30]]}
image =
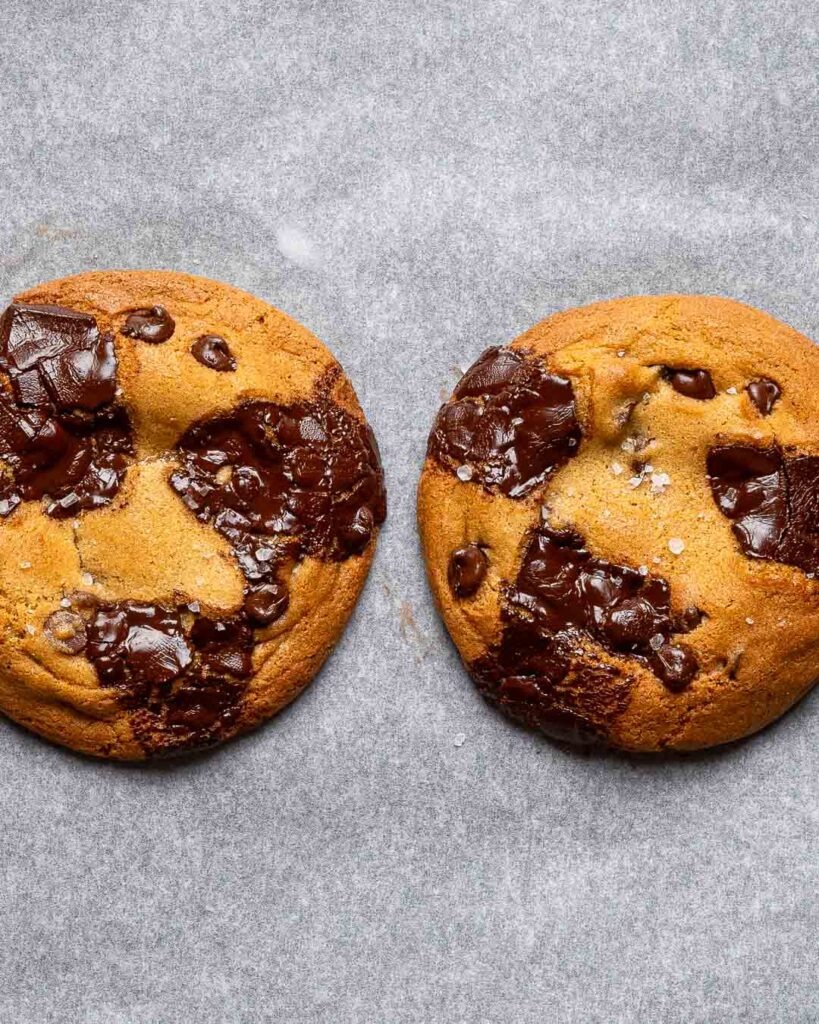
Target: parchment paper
{"points": [[414, 181]]}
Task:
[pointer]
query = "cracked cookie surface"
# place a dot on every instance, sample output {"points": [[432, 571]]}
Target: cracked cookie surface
{"points": [[619, 519], [189, 503]]}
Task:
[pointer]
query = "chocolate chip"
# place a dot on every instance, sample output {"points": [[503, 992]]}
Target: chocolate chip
{"points": [[214, 352], [65, 631], [772, 501], [62, 437], [266, 603], [153, 325], [691, 383], [675, 664], [510, 421], [764, 393], [467, 570]]}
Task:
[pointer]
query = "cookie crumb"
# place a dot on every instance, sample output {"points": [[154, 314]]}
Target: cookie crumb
{"points": [[676, 545]]}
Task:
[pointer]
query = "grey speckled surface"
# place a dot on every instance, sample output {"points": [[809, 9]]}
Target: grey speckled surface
{"points": [[414, 181]]}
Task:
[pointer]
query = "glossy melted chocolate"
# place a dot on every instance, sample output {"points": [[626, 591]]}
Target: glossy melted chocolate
{"points": [[63, 438], [691, 383], [509, 424], [214, 352], [153, 325], [183, 674], [467, 570], [544, 672], [772, 501], [764, 393]]}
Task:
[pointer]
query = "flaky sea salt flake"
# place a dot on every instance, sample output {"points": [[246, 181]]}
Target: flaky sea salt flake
{"points": [[676, 545]]}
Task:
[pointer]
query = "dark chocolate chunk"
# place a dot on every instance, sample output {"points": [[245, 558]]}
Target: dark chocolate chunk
{"points": [[265, 603], [772, 501], [153, 325], [544, 672], [184, 681], [57, 356], [62, 437], [65, 631], [691, 383], [764, 393], [509, 425], [214, 352], [137, 646], [305, 478], [467, 570]]}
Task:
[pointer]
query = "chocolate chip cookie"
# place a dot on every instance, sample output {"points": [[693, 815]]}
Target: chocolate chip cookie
{"points": [[620, 519], [189, 502]]}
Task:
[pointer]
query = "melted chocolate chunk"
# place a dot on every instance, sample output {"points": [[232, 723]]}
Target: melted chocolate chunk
{"points": [[184, 681], [764, 393], [691, 383], [153, 325], [544, 671], [283, 481], [55, 356], [62, 437], [214, 352], [509, 425], [772, 501], [266, 603], [467, 570]]}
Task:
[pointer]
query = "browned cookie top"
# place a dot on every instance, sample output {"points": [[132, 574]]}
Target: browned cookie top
{"points": [[196, 494], [618, 515]]}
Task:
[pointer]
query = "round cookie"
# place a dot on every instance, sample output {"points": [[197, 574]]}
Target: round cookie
{"points": [[620, 520], [189, 502]]}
